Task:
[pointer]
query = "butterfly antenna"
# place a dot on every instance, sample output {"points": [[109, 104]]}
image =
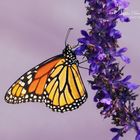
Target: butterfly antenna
{"points": [[67, 35]]}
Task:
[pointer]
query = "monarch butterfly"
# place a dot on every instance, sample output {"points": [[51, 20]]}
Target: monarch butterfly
{"points": [[56, 82]]}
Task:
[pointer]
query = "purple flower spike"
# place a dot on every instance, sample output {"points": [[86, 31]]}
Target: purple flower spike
{"points": [[113, 92]]}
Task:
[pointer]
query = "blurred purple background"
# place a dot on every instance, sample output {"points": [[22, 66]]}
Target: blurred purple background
{"points": [[34, 30]]}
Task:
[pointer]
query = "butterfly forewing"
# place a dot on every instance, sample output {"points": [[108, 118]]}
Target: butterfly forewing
{"points": [[30, 86]]}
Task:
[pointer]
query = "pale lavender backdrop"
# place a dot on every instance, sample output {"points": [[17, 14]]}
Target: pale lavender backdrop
{"points": [[34, 30]]}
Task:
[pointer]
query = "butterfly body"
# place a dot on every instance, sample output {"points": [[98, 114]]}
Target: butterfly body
{"points": [[55, 82]]}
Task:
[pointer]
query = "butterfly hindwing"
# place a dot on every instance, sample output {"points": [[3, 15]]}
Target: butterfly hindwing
{"points": [[65, 89]]}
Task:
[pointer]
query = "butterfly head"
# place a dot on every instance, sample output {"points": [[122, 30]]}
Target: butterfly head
{"points": [[70, 56]]}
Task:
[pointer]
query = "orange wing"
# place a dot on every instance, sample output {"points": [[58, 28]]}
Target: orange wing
{"points": [[30, 86]]}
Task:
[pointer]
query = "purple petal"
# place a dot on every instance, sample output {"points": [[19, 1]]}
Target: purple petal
{"points": [[95, 99], [101, 56], [99, 48], [132, 86], [115, 129], [80, 50], [103, 112], [93, 68], [110, 5], [115, 34], [91, 60], [106, 94], [124, 18], [116, 137], [137, 136], [127, 127], [83, 40], [106, 101], [122, 50], [84, 33], [125, 59], [123, 3], [127, 78]]}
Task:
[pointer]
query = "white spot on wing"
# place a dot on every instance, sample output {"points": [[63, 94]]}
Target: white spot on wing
{"points": [[49, 79], [11, 96], [45, 85], [29, 72], [26, 96], [40, 97], [22, 78], [29, 82], [29, 76], [22, 83], [9, 92], [31, 95], [7, 98], [48, 101], [35, 97], [23, 91], [36, 67]]}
